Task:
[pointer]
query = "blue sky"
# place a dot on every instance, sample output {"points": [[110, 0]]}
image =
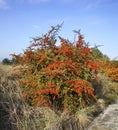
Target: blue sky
{"points": [[20, 20]]}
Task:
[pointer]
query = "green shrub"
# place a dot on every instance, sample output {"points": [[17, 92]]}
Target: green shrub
{"points": [[57, 76]]}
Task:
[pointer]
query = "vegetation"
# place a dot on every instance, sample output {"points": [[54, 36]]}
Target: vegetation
{"points": [[54, 87], [7, 61], [57, 76]]}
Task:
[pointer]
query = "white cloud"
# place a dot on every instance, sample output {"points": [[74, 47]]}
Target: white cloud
{"points": [[37, 1], [36, 26], [3, 4], [32, 1], [90, 4], [69, 1]]}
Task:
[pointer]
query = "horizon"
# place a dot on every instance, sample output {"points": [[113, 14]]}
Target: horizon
{"points": [[23, 19]]}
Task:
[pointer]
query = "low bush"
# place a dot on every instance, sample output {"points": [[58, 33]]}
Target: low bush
{"points": [[57, 76]]}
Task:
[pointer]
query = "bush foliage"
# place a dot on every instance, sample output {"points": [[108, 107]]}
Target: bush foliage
{"points": [[57, 76]]}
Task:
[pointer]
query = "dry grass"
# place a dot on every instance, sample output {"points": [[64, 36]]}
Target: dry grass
{"points": [[106, 89], [84, 118], [12, 106]]}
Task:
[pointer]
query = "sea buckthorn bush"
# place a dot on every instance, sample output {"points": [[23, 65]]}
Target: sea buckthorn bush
{"points": [[106, 66], [110, 69], [57, 76]]}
